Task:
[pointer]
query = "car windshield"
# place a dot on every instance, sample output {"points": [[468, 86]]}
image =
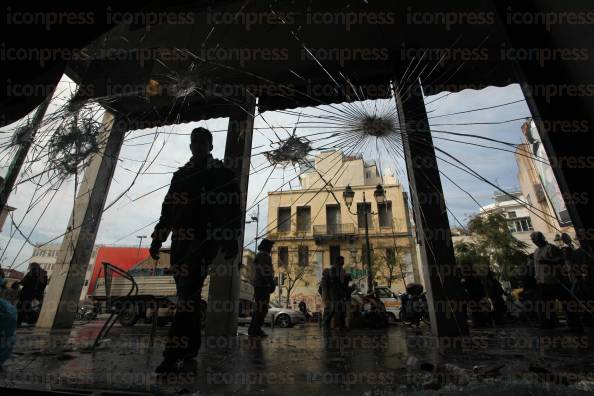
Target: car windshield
{"points": [[274, 305]]}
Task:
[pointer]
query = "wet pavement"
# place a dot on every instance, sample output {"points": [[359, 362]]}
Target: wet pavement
{"points": [[302, 360]]}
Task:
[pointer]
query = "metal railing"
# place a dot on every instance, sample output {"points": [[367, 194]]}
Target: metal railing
{"points": [[334, 229]]}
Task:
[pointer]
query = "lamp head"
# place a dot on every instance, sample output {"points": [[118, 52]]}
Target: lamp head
{"points": [[379, 194], [348, 195]]}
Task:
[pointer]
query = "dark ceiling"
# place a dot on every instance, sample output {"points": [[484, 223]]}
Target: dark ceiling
{"points": [[287, 53]]}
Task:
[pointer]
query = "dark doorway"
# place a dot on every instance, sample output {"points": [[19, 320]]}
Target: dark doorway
{"points": [[334, 253]]}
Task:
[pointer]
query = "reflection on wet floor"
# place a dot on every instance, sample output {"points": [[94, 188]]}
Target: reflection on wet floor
{"points": [[304, 360]]}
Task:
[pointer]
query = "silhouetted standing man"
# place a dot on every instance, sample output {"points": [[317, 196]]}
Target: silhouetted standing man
{"points": [[547, 260], [336, 292], [202, 211], [495, 292], [263, 286], [548, 265]]}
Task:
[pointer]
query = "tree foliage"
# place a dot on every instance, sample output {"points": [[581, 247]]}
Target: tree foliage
{"points": [[294, 273], [491, 247], [387, 268]]}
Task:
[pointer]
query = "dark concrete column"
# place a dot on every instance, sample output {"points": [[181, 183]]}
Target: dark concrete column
{"points": [[558, 86], [28, 133], [447, 315], [223, 293], [411, 240], [63, 294]]}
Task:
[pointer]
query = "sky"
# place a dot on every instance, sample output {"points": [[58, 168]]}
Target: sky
{"points": [[138, 199]]}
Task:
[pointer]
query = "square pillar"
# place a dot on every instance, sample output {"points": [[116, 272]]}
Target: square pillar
{"points": [[444, 292], [558, 91], [62, 297], [223, 293]]}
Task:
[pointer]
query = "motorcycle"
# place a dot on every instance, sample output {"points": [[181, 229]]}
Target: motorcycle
{"points": [[87, 312], [414, 307]]}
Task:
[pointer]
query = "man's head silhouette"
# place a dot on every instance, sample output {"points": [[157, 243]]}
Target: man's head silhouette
{"points": [[538, 238], [339, 262], [201, 142]]}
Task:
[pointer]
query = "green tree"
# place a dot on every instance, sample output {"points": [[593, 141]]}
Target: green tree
{"points": [[491, 247], [386, 266], [392, 266], [294, 272]]}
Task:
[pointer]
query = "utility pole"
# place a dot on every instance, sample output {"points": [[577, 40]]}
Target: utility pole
{"points": [[28, 134], [140, 237]]}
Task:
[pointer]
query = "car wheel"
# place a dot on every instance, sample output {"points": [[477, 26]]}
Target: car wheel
{"points": [[128, 316], [283, 321]]}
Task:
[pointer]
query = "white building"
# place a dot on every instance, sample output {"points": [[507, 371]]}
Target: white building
{"points": [[513, 207], [46, 257]]}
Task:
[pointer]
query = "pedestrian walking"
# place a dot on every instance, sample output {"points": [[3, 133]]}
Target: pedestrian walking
{"points": [[264, 286], [201, 211], [335, 293]]}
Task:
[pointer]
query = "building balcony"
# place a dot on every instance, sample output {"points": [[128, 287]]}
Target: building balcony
{"points": [[328, 232]]}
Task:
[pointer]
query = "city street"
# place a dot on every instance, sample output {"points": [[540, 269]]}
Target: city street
{"points": [[301, 360]]}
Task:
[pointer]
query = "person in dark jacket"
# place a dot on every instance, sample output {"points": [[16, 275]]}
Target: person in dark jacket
{"points": [[264, 285], [477, 298], [202, 212], [573, 287], [549, 264], [336, 293], [33, 288], [496, 293], [303, 309]]}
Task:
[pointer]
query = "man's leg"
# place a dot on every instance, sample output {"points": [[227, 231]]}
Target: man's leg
{"points": [[571, 308], [547, 309], [185, 331], [262, 299], [20, 313], [341, 313], [329, 311]]}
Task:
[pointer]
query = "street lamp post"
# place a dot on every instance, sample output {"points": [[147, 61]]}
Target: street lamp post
{"points": [[379, 195], [255, 219]]}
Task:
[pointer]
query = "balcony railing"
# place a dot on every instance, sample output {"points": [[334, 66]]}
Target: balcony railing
{"points": [[334, 230]]}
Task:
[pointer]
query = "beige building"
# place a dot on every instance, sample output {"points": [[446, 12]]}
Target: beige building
{"points": [[312, 226], [538, 185]]}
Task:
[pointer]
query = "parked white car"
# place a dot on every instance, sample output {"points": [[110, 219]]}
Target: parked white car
{"points": [[280, 316]]}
